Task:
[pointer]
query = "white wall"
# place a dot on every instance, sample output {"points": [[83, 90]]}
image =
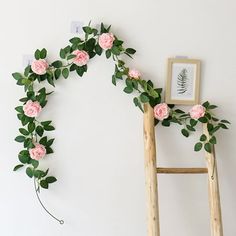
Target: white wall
{"points": [[98, 156]]}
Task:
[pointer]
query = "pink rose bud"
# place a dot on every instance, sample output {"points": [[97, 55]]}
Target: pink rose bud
{"points": [[161, 111], [133, 73], [197, 112], [32, 109], [82, 57], [39, 67], [37, 152], [106, 40]]}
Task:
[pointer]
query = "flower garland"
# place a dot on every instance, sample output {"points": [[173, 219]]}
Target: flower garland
{"points": [[75, 58]]}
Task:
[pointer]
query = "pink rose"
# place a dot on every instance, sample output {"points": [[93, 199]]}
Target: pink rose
{"points": [[39, 67], [133, 73], [106, 40], [81, 58], [32, 109], [197, 112], [161, 111], [37, 152]]}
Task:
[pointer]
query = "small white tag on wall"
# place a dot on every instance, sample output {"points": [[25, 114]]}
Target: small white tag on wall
{"points": [[76, 27], [27, 59], [181, 57]]}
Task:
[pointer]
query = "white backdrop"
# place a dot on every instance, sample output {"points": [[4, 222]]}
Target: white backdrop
{"points": [[98, 156]]}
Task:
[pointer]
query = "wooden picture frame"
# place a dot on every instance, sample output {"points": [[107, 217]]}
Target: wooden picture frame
{"points": [[183, 81]]}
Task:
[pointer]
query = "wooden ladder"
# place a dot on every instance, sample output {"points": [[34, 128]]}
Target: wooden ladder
{"points": [[151, 172]]}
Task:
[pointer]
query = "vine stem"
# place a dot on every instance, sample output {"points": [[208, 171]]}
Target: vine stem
{"points": [[37, 194]]}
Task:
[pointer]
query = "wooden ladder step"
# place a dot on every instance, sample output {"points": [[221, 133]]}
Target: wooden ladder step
{"points": [[161, 170]]}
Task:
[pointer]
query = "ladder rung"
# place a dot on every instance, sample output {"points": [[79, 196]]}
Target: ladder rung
{"points": [[181, 170]]}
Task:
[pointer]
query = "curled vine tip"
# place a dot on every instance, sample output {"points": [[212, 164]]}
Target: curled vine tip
{"points": [[36, 188]]}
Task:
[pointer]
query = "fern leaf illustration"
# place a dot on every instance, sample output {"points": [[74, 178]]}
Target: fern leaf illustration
{"points": [[182, 82]]}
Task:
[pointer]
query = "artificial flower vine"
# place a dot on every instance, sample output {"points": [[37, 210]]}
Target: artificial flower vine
{"points": [[75, 58]]}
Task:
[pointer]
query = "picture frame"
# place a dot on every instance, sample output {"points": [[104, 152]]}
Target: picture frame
{"points": [[183, 81]]}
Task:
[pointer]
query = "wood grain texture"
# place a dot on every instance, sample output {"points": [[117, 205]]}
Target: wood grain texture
{"points": [[214, 195], [161, 170], [150, 172]]}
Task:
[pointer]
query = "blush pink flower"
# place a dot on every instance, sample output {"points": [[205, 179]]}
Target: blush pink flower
{"points": [[82, 57], [106, 40], [133, 73], [37, 152], [39, 67], [161, 111], [32, 109], [197, 112]]}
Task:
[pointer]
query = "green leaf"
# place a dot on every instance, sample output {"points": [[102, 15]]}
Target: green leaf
{"points": [[193, 122], [215, 129], [50, 142], [206, 104], [17, 76], [49, 128], [198, 147], [225, 121], [80, 70], [144, 98], [31, 127], [37, 54], [29, 172], [65, 73], [136, 101], [49, 150], [87, 30], [98, 49], [114, 79], [212, 107], [46, 123], [57, 64], [17, 167], [130, 51], [40, 130], [108, 53], [57, 73], [62, 54], [27, 70], [24, 156], [210, 127], [190, 128], [51, 179], [34, 163], [19, 109], [23, 131], [43, 53], [185, 132], [165, 123], [203, 120], [212, 140], [75, 40], [20, 139], [179, 111], [50, 80], [223, 126], [128, 90], [71, 56], [115, 50], [44, 184], [207, 147], [43, 141], [203, 138]]}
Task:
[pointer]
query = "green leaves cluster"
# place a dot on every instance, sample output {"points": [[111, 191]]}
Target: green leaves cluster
{"points": [[213, 124]]}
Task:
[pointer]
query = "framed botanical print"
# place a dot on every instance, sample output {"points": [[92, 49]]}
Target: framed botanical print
{"points": [[183, 81]]}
